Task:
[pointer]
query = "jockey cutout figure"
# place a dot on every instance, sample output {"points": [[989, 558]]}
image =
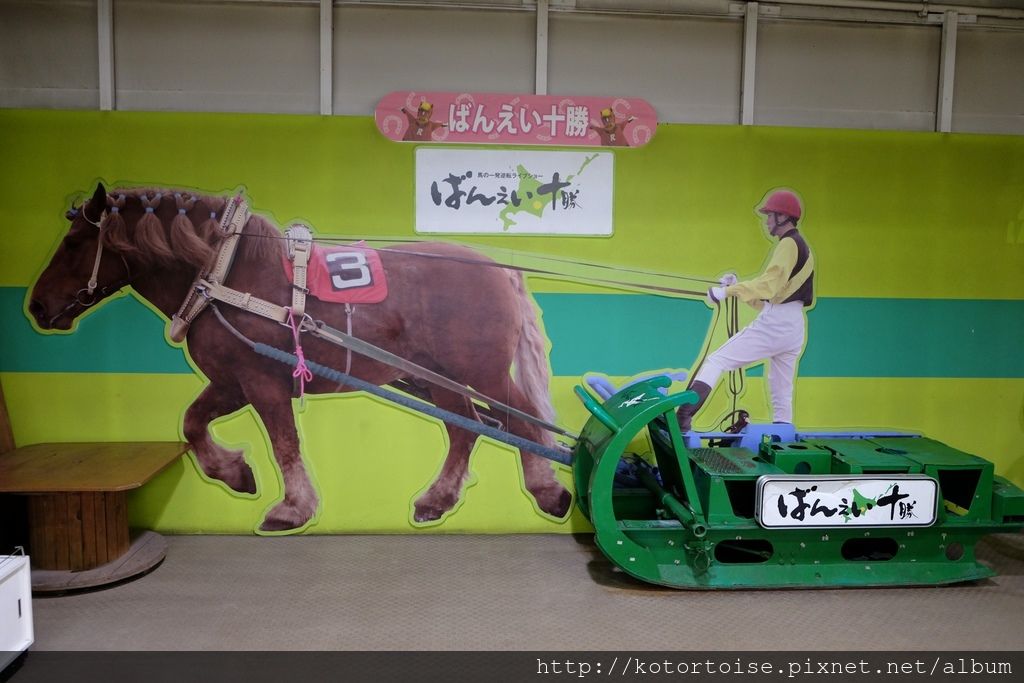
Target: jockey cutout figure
{"points": [[611, 131], [420, 126], [780, 293]]}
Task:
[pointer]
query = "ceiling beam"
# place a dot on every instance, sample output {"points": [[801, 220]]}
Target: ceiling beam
{"points": [[947, 70], [749, 78], [326, 57], [105, 41], [541, 73]]}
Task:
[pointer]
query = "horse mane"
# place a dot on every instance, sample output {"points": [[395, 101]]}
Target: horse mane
{"points": [[261, 238], [180, 227]]}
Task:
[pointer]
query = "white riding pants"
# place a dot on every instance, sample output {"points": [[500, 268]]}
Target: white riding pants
{"points": [[776, 336]]}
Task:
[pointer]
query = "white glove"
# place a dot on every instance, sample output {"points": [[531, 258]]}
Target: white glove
{"points": [[716, 294], [728, 279]]}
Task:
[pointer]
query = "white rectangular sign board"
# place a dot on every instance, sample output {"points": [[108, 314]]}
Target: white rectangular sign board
{"points": [[840, 501], [515, 192]]}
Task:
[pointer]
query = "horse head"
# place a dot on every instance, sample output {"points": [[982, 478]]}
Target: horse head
{"points": [[78, 276], [119, 239]]}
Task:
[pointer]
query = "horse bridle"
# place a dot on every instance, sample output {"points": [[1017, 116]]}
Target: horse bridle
{"points": [[86, 296]]}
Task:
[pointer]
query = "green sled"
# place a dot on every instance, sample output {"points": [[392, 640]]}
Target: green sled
{"points": [[796, 513]]}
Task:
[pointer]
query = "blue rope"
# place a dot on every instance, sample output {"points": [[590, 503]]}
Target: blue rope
{"points": [[417, 405]]}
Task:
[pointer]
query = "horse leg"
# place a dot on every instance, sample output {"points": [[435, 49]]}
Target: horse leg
{"points": [[446, 490], [271, 398], [217, 462], [539, 478]]}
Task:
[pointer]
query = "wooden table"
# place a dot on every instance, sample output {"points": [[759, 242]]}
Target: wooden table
{"points": [[77, 507]]}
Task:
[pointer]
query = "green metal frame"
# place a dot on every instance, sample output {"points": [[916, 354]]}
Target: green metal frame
{"points": [[695, 528]]}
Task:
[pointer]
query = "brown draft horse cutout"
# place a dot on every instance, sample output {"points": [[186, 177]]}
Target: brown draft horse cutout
{"points": [[463, 321]]}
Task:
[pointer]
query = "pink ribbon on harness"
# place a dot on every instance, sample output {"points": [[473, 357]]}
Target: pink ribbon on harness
{"points": [[302, 372]]}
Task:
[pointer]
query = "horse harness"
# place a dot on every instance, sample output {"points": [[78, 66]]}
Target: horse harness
{"points": [[86, 297], [208, 287]]}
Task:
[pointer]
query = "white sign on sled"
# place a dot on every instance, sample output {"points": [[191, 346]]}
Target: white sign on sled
{"points": [[840, 501]]}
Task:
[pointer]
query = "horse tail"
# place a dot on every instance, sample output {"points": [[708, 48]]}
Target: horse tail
{"points": [[532, 374]]}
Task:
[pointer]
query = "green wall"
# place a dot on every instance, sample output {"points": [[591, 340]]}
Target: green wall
{"points": [[919, 241]]}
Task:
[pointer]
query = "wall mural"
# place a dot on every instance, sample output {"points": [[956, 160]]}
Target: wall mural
{"points": [[918, 308], [439, 308]]}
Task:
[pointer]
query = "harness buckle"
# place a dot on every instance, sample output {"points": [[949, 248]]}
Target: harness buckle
{"points": [[304, 324], [298, 236]]}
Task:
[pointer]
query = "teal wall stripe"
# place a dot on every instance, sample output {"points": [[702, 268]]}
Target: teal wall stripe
{"points": [[915, 338], [618, 334], [623, 334], [121, 336]]}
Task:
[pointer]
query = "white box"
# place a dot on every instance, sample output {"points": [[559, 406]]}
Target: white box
{"points": [[16, 634]]}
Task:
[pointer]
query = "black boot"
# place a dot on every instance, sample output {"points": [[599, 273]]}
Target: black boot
{"points": [[686, 411]]}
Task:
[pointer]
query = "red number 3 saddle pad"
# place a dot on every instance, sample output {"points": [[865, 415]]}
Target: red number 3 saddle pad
{"points": [[344, 275]]}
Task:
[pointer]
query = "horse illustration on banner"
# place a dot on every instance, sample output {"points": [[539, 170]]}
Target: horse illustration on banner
{"points": [[443, 312]]}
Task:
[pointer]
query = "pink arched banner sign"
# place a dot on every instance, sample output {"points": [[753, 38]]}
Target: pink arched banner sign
{"points": [[504, 119]]}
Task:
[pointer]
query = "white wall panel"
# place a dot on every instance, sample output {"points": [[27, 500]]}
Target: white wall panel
{"points": [[989, 91], [847, 75], [263, 56], [48, 54], [378, 50], [190, 56], [687, 68]]}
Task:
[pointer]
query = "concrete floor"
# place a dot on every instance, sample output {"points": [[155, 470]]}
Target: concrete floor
{"points": [[434, 592]]}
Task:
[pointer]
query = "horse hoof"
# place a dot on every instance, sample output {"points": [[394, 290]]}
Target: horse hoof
{"points": [[277, 525], [284, 518], [240, 480], [560, 506], [244, 482], [432, 508], [427, 513], [229, 468]]}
